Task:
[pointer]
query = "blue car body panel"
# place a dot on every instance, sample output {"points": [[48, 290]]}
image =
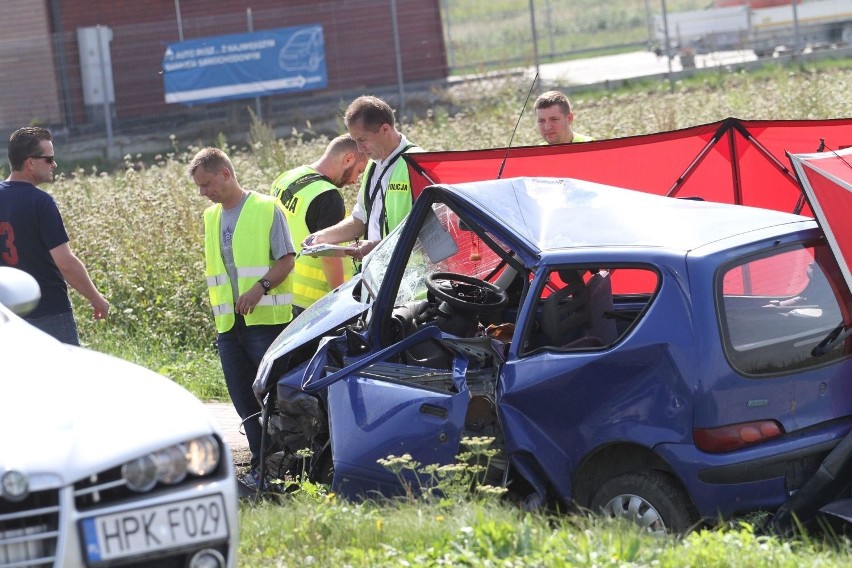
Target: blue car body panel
{"points": [[375, 419], [667, 375], [327, 313]]}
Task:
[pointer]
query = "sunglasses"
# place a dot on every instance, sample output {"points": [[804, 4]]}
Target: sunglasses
{"points": [[48, 159]]}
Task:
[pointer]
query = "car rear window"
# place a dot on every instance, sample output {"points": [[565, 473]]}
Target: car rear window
{"points": [[776, 308]]}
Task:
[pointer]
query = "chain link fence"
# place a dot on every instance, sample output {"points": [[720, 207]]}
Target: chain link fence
{"points": [[106, 94], [496, 35]]}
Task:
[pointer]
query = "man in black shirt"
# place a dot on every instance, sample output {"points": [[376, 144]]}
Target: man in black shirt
{"points": [[33, 237], [313, 201]]}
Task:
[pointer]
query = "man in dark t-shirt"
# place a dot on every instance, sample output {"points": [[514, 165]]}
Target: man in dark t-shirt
{"points": [[313, 201], [33, 237]]}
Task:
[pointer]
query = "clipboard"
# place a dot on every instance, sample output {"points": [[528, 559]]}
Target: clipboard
{"points": [[328, 250]]}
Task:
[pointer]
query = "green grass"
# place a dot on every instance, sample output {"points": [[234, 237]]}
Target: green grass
{"points": [[139, 231], [322, 530], [465, 523], [198, 369]]}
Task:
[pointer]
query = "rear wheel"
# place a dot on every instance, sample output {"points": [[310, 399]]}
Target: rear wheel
{"points": [[651, 499]]}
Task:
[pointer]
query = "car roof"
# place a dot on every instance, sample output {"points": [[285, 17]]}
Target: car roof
{"points": [[556, 213]]}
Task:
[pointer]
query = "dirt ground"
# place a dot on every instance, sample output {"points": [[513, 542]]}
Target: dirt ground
{"points": [[242, 458]]}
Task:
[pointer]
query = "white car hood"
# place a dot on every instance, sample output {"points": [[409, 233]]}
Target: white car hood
{"points": [[67, 412]]}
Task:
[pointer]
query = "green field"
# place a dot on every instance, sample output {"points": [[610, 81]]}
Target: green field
{"points": [[494, 34], [139, 231]]}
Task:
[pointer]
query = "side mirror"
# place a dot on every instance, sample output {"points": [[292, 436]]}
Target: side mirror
{"points": [[18, 290]]}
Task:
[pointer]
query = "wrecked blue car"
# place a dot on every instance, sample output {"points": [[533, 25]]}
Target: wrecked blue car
{"points": [[666, 360]]}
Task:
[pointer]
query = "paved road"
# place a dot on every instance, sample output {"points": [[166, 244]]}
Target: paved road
{"points": [[594, 70], [229, 421]]}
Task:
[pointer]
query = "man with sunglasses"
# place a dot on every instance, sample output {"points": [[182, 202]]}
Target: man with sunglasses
{"points": [[33, 237]]}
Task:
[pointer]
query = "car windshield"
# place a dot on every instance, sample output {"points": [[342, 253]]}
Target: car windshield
{"points": [[456, 275], [446, 243], [376, 263]]}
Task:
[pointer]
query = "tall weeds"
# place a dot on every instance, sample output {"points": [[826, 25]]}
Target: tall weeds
{"points": [[139, 230]]}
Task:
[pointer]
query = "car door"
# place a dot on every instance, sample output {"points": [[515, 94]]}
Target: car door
{"points": [[827, 181], [424, 362], [381, 409]]}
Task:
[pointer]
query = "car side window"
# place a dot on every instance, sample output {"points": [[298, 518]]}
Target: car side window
{"points": [[589, 307], [774, 309]]}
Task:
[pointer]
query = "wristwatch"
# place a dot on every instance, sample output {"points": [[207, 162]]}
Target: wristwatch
{"points": [[266, 285]]}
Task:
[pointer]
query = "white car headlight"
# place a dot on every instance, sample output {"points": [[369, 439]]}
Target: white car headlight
{"points": [[171, 464], [198, 457], [202, 455], [141, 473]]}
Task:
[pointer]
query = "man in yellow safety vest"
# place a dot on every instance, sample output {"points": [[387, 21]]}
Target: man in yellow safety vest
{"points": [[385, 196], [313, 201], [248, 255]]}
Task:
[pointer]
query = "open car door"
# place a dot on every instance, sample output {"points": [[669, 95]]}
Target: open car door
{"points": [[380, 407], [826, 178]]}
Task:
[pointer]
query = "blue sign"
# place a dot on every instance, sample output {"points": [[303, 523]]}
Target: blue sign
{"points": [[240, 66]]}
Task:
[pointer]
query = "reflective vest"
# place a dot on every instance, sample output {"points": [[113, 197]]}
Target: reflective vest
{"points": [[398, 197], [574, 140], [252, 258], [308, 279]]}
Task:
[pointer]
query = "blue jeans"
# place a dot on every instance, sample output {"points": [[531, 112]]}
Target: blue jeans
{"points": [[61, 326], [240, 350]]}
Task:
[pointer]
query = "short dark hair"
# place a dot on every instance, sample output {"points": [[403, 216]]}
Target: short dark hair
{"points": [[373, 112], [210, 160], [24, 143], [550, 98], [342, 144]]}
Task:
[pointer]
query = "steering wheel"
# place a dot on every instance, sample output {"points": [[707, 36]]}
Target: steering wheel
{"points": [[465, 292]]}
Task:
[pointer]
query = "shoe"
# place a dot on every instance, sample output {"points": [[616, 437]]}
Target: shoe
{"points": [[252, 481], [247, 486], [251, 484]]}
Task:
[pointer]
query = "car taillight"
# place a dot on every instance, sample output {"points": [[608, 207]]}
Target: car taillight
{"points": [[735, 436]]}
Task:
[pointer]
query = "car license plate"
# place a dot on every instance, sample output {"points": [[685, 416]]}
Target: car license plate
{"points": [[142, 531]]}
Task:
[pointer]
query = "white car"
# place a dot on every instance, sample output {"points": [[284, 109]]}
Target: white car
{"points": [[103, 462]]}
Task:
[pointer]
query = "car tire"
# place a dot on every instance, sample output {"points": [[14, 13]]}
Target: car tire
{"points": [[651, 499]]}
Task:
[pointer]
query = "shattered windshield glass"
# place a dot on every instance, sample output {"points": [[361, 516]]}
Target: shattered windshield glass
{"points": [[446, 244], [376, 264]]}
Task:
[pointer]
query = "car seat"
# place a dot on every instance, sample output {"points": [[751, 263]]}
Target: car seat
{"points": [[578, 315], [565, 313], [602, 325]]}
